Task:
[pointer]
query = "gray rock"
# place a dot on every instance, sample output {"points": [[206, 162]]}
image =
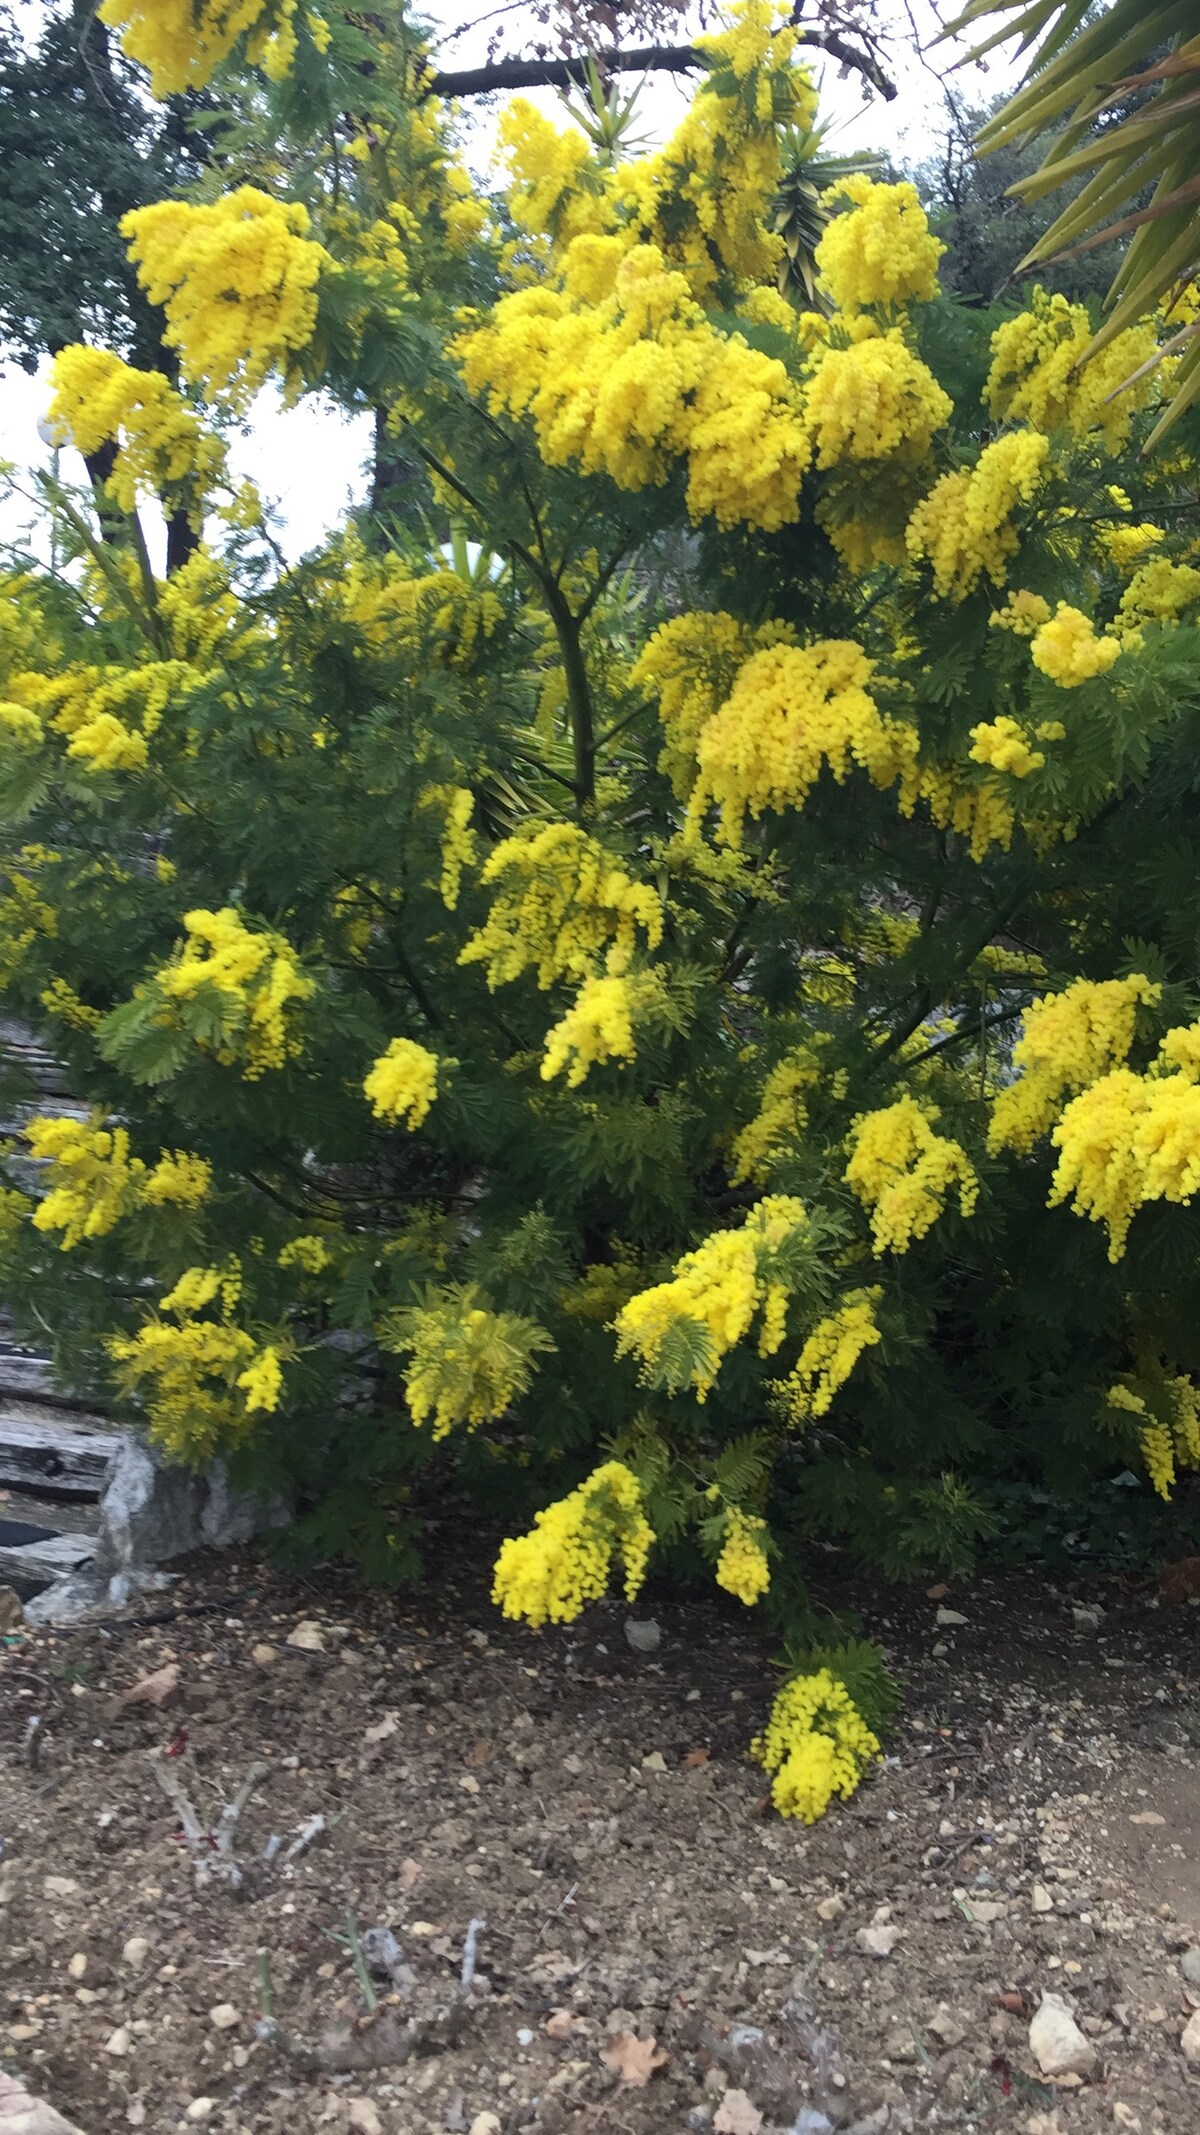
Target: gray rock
{"points": [[644, 1636], [1189, 1965], [1058, 2045], [1190, 2042], [947, 1619], [878, 1941]]}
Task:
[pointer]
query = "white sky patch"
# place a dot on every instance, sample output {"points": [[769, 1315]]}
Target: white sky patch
{"points": [[311, 462]]}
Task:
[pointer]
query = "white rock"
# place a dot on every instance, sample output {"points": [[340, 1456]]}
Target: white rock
{"points": [[485, 2124], [947, 1619], [306, 1638], [1125, 2117], [1058, 2045], [201, 2109], [363, 2116], [135, 1952], [831, 1908], [655, 1762], [77, 1968], [1190, 2042], [947, 2027], [60, 1887], [262, 1655], [878, 1941], [117, 2042], [1088, 1616], [224, 2017], [987, 1910], [1040, 1899]]}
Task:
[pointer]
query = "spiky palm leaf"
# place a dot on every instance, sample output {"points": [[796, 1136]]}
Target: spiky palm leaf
{"points": [[1082, 79]]}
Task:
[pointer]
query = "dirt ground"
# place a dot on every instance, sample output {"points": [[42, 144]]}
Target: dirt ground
{"points": [[1035, 1829]]}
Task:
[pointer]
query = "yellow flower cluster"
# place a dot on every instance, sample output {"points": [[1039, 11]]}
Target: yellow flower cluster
{"points": [[1038, 375], [817, 1744], [547, 193], [1023, 613], [308, 1253], [468, 1362], [1068, 649], [105, 743], [1003, 743], [255, 978], [20, 726], [1159, 592], [182, 42], [1130, 1139], [621, 372], [903, 1172], [711, 1298], [829, 1356], [793, 712], [94, 1182], [1125, 546], [1067, 1040], [403, 1083], [964, 527], [562, 908], [190, 1374], [881, 250], [874, 400], [457, 805], [237, 278], [162, 447], [782, 1116], [1168, 1430], [742, 1567], [550, 1574], [599, 1025], [689, 665], [436, 615]]}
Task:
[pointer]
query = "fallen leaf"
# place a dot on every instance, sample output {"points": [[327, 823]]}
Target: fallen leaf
{"points": [[936, 1593], [695, 1757], [737, 2115], [382, 1730], [634, 2059], [152, 1689], [480, 1753], [410, 1873], [1015, 2004]]}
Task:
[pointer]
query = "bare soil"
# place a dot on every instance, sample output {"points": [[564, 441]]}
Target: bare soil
{"points": [[596, 1807]]}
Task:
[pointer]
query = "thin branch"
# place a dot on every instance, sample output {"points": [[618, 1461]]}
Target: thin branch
{"points": [[644, 59]]}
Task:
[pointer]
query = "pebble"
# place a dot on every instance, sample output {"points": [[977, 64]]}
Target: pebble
{"points": [[655, 1762], [224, 2017], [948, 1619], [363, 2116], [135, 1952], [831, 1908], [201, 2109], [1040, 1899], [878, 1941], [306, 1638], [1058, 2045], [485, 2124], [117, 2042], [78, 1966], [947, 2027], [262, 1655], [60, 1887], [1190, 2042], [1189, 1965]]}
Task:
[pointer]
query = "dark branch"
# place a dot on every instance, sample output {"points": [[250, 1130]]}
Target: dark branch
{"points": [[646, 59]]}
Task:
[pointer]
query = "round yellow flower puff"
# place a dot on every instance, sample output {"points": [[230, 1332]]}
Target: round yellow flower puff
{"points": [[403, 1083], [550, 1574], [742, 1567], [817, 1744]]}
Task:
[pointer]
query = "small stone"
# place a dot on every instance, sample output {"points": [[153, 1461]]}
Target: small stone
{"points": [[1088, 1616], [1058, 2045], [1148, 1816], [987, 1910], [947, 2027], [135, 1952], [224, 2017], [878, 1941], [831, 1908], [60, 1887], [1190, 2042], [1189, 1965], [77, 1968], [949, 1619], [524, 2036], [262, 1655], [644, 1635], [1040, 1899], [117, 2043], [654, 1762], [201, 2109], [363, 2115], [307, 1638], [485, 2124], [1125, 2117]]}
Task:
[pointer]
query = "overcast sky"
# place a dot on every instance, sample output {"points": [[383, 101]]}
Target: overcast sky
{"points": [[309, 461]]}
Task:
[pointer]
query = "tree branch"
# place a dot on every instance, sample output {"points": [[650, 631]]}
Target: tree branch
{"points": [[644, 59]]}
